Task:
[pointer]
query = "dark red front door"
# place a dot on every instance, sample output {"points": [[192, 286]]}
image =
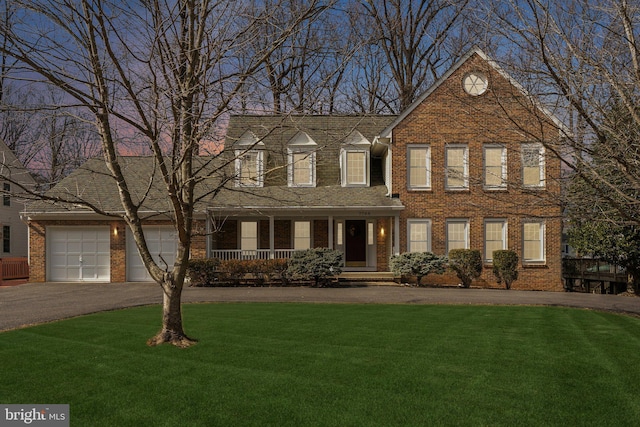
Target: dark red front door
{"points": [[355, 243]]}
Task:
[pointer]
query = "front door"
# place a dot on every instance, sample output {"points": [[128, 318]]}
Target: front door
{"points": [[355, 243]]}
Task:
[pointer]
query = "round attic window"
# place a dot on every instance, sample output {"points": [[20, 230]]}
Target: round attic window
{"points": [[475, 83]]}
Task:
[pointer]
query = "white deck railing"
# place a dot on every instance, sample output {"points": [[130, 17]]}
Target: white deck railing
{"points": [[255, 254]]}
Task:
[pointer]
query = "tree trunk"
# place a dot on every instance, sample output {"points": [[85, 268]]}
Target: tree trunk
{"points": [[633, 281], [172, 331]]}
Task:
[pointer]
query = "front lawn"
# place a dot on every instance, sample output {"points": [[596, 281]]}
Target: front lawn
{"points": [[340, 365]]}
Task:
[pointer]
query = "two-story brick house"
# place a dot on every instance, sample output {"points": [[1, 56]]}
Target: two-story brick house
{"points": [[462, 167]]}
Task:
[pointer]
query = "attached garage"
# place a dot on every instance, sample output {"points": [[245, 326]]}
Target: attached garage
{"points": [[162, 244], [78, 254]]}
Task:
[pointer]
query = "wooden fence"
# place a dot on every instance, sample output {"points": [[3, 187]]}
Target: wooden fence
{"points": [[14, 268]]}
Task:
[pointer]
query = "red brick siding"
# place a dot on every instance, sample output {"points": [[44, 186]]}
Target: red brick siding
{"points": [[451, 116], [118, 258], [321, 233], [383, 244]]}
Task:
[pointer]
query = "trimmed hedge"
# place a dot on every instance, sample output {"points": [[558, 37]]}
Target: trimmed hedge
{"points": [[505, 267], [467, 264], [417, 264], [234, 272], [203, 272]]}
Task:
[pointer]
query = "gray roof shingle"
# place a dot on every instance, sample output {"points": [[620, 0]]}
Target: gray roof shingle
{"points": [[93, 183]]}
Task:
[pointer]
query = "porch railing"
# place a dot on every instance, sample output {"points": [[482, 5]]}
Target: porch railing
{"points": [[14, 268], [255, 254]]}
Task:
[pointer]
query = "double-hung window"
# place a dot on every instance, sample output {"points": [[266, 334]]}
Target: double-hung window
{"points": [[457, 234], [356, 167], [301, 235], [419, 235], [249, 238], [249, 168], [495, 237], [419, 167], [249, 161], [302, 168], [301, 156], [354, 160], [457, 167], [6, 197], [533, 168], [6, 238], [495, 167], [533, 240]]}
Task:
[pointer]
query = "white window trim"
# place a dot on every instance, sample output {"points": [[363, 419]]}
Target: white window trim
{"points": [[464, 221], [503, 172], [259, 167], [413, 221], [541, 164], [312, 166], [415, 147], [542, 242], [488, 258], [465, 164], [344, 166]]}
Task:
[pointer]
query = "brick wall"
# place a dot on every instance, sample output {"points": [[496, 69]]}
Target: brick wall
{"points": [[321, 233], [501, 115]]}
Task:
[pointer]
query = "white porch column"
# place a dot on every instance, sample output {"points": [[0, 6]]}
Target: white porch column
{"points": [[330, 231], [396, 234], [209, 228], [272, 229]]}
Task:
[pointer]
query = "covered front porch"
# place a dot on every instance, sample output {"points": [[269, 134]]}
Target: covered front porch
{"points": [[367, 238]]}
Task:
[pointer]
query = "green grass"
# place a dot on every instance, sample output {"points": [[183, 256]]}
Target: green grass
{"points": [[341, 365]]}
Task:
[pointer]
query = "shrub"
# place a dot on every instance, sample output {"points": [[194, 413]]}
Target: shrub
{"points": [[233, 270], [317, 264], [276, 269], [417, 264], [505, 267], [203, 272], [467, 264], [255, 267]]}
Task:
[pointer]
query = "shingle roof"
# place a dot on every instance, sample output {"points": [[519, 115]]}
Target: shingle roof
{"points": [[92, 182], [329, 132]]}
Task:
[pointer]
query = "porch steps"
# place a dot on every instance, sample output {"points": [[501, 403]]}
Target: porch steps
{"points": [[365, 276]]}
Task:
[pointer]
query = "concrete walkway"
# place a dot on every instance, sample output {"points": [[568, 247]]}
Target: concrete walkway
{"points": [[34, 303]]}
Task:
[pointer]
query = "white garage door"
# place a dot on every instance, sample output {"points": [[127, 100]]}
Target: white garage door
{"points": [[162, 244], [78, 254]]}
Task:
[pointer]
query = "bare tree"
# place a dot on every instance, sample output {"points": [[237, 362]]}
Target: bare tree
{"points": [[413, 35], [582, 58], [162, 72]]}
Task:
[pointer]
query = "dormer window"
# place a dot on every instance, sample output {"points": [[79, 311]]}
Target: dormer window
{"points": [[249, 161], [301, 161], [354, 160]]}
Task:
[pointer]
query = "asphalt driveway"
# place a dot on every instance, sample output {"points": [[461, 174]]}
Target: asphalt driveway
{"points": [[34, 303]]}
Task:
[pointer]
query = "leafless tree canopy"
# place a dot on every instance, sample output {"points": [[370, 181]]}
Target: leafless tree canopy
{"points": [[582, 59]]}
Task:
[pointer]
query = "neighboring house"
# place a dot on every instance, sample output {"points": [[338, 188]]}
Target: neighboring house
{"points": [[460, 168], [13, 231]]}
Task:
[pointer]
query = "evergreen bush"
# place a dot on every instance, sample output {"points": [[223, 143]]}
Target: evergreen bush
{"points": [[317, 264], [417, 264], [467, 264], [505, 267]]}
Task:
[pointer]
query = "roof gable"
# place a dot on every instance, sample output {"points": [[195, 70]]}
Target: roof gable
{"points": [[386, 133], [301, 139]]}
